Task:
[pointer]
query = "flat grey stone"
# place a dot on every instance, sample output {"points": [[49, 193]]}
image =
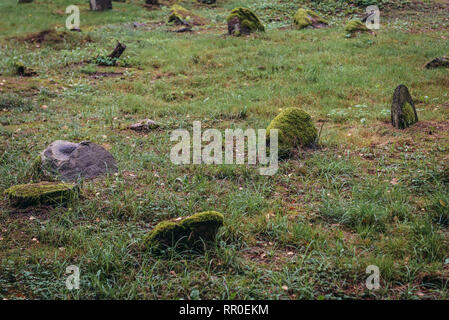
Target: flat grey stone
{"points": [[71, 161]]}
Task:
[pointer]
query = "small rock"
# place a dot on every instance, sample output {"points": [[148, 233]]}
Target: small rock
{"points": [[441, 62], [144, 125]]}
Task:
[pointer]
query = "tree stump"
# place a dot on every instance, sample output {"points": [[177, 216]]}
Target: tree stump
{"points": [[117, 51], [403, 111], [100, 5]]}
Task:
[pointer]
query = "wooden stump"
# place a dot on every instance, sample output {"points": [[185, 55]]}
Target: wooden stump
{"points": [[117, 51], [403, 111], [100, 5]]}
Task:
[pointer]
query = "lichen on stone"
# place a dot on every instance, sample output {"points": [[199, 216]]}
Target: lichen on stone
{"points": [[41, 193], [295, 130], [243, 21], [408, 114], [354, 26], [187, 233], [181, 16], [305, 18]]}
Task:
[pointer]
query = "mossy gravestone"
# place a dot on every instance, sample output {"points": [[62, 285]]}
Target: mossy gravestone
{"points": [[355, 26], [100, 5], [41, 193], [403, 111], [307, 18], [243, 21], [295, 130], [185, 233], [181, 16]]}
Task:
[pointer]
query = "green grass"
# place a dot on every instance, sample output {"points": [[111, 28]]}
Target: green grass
{"points": [[370, 194]]}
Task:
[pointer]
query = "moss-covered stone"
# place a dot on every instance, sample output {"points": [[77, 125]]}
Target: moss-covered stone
{"points": [[355, 26], [181, 16], [403, 111], [187, 233], [296, 130], [308, 18], [41, 193], [243, 21]]}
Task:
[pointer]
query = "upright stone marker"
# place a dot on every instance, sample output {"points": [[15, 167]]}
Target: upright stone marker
{"points": [[403, 111], [100, 5]]}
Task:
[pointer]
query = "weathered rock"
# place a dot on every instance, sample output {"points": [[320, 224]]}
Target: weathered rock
{"points": [[100, 5], [356, 26], [295, 130], [41, 193], [207, 1], [185, 233], [403, 111], [71, 161], [307, 18], [243, 21], [144, 125], [441, 62], [182, 16]]}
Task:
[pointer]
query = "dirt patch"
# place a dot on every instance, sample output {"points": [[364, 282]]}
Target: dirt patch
{"points": [[52, 37], [98, 75]]}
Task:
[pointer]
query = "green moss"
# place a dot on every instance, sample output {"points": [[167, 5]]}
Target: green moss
{"points": [[304, 18], [188, 233], [247, 20], [41, 193], [296, 129], [181, 16], [408, 114], [354, 26]]}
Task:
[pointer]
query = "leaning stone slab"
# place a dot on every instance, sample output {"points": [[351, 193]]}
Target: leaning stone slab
{"points": [[70, 161], [308, 18], [41, 193], [403, 111], [356, 26], [181, 16], [185, 233]]}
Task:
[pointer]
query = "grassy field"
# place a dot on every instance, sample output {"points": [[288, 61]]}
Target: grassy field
{"points": [[369, 194]]}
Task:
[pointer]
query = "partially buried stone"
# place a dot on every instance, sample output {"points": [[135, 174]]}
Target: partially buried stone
{"points": [[441, 62], [403, 111], [144, 125], [41, 193], [185, 233], [70, 161]]}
